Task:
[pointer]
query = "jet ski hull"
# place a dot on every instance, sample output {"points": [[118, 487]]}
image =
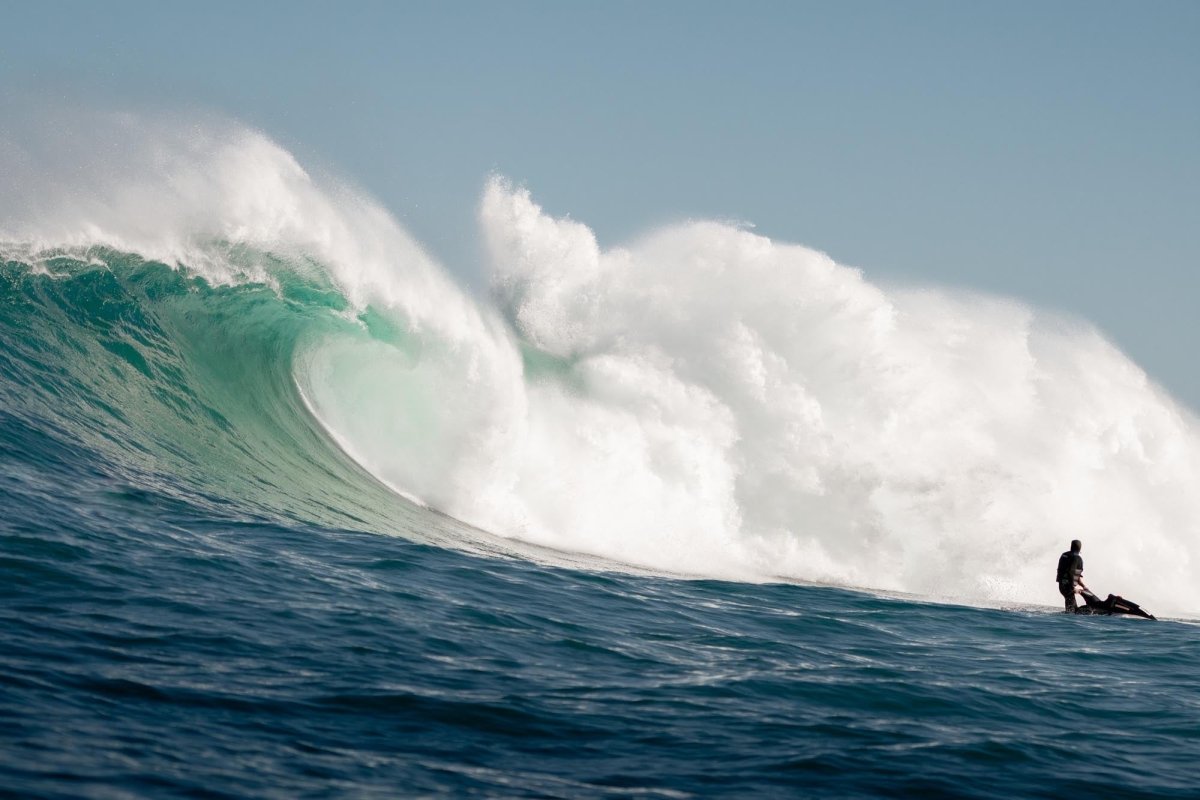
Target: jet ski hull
{"points": [[1113, 605]]}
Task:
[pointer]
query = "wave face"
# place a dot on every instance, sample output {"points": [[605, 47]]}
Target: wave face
{"points": [[180, 387], [702, 401]]}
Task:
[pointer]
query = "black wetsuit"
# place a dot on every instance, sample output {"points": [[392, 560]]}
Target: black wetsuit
{"points": [[1070, 567]]}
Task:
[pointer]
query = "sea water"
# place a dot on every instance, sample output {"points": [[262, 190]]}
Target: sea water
{"points": [[287, 513]]}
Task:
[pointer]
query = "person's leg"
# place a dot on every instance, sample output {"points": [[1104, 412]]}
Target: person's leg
{"points": [[1068, 593]]}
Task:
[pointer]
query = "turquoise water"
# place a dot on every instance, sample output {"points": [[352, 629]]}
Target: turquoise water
{"points": [[204, 596]]}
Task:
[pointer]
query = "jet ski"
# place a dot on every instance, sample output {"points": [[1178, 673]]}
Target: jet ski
{"points": [[1111, 606]]}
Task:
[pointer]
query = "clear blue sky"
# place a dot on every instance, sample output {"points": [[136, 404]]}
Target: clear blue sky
{"points": [[1048, 151]]}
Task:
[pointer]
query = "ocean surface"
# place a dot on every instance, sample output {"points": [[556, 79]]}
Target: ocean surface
{"points": [[285, 513]]}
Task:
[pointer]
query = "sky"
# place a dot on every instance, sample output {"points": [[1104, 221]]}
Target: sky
{"points": [[1044, 151]]}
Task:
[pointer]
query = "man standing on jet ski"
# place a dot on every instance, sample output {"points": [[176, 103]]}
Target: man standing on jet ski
{"points": [[1070, 575]]}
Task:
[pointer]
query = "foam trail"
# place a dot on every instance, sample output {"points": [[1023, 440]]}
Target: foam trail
{"points": [[703, 400]]}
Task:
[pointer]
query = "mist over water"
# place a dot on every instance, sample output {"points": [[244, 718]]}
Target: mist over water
{"points": [[702, 400]]}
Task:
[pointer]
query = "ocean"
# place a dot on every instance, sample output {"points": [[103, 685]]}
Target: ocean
{"points": [[286, 512]]}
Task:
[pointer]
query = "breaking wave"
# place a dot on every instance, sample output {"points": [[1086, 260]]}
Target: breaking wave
{"points": [[700, 401]]}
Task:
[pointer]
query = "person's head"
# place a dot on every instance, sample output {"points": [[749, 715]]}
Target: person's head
{"points": [[1076, 545]]}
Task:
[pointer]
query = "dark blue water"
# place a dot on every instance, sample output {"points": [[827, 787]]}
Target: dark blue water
{"points": [[169, 629], [150, 650]]}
